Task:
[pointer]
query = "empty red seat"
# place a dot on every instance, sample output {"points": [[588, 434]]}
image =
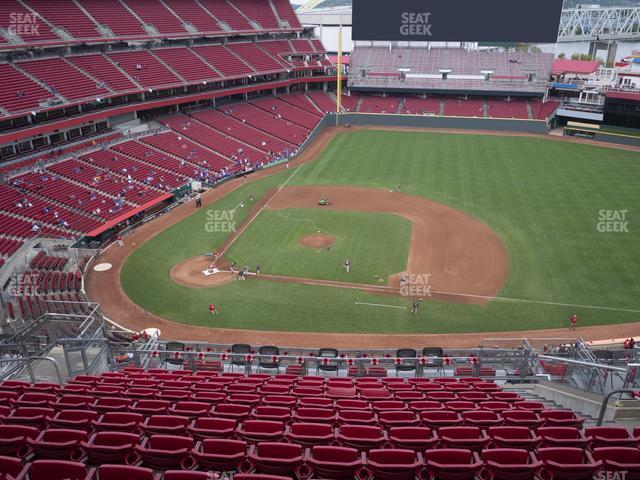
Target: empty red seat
{"points": [[624, 460], [506, 397], [522, 418], [212, 427], [151, 407], [513, 437], [140, 392], [510, 464], [357, 417], [8, 397], [36, 399], [190, 409], [481, 418], [562, 437], [340, 463], [424, 405], [529, 405], [244, 398], [268, 412], [258, 476], [232, 410], [74, 419], [112, 447], [314, 415], [561, 418], [474, 396], [452, 463], [111, 404], [315, 402], [418, 439], [15, 439], [409, 396], [58, 470], [471, 438], [172, 395], [221, 455], [119, 422], [352, 404], [276, 458], [383, 405], [460, 406], [568, 463], [32, 416], [122, 472], [610, 437], [442, 396], [375, 394], [166, 451], [59, 444], [402, 418], [495, 406], [362, 437], [394, 464], [309, 434], [279, 400], [72, 401], [166, 424], [260, 430], [10, 467], [440, 418]]}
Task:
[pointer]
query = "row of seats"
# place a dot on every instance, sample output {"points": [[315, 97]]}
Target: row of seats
{"points": [[44, 282], [42, 261], [93, 76], [31, 307], [137, 460], [81, 19]]}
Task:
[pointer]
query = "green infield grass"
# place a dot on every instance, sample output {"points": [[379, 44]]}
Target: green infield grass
{"points": [[549, 201]]}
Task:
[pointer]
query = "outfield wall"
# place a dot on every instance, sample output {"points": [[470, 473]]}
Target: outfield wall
{"points": [[617, 138]]}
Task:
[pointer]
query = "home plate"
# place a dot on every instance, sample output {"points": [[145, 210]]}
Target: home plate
{"points": [[102, 267], [211, 271]]}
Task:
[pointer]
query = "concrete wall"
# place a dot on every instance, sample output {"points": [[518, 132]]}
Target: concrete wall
{"points": [[620, 139]]}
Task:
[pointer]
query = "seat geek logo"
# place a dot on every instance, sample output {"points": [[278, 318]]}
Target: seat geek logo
{"points": [[414, 24]]}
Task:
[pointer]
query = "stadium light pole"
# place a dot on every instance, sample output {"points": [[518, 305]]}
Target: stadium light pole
{"points": [[339, 89]]}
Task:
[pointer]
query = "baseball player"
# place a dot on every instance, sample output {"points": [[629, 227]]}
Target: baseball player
{"points": [[212, 309], [415, 306], [573, 322], [258, 269], [403, 279], [347, 265]]}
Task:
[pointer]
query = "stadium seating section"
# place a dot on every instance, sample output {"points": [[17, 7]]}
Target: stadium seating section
{"points": [[177, 424], [466, 70]]}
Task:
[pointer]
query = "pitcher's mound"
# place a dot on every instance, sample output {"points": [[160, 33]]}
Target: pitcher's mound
{"points": [[317, 240]]}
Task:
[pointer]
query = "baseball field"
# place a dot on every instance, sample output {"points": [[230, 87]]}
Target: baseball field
{"points": [[509, 233]]}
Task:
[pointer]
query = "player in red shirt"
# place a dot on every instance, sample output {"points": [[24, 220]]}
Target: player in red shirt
{"points": [[573, 321], [212, 309]]}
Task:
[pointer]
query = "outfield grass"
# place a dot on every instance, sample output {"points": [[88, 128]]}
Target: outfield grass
{"points": [[272, 240], [542, 197]]}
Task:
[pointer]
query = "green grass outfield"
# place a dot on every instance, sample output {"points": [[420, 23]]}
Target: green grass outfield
{"points": [[542, 197], [273, 237]]}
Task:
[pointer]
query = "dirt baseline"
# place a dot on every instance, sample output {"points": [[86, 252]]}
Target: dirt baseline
{"points": [[456, 252]]}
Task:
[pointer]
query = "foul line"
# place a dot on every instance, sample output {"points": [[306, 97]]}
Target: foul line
{"points": [[380, 305], [540, 302], [250, 220]]}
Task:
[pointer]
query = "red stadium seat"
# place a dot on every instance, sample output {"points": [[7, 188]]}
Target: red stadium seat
{"points": [[522, 418], [561, 418], [452, 464], [567, 463], [253, 431], [314, 415], [58, 470], [610, 437], [471, 438], [212, 427], [276, 458], [562, 437], [112, 447], [514, 437], [111, 404], [119, 422], [221, 455], [190, 409], [424, 405], [232, 410], [619, 459], [122, 472], [385, 405], [481, 418], [32, 416], [267, 412], [59, 444], [362, 437], [166, 424], [352, 404], [310, 434], [10, 468], [394, 464], [151, 407], [440, 418], [340, 463], [413, 438], [15, 440], [510, 464], [402, 418], [166, 451], [357, 417], [72, 401]]}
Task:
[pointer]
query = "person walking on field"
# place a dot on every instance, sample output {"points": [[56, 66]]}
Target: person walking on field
{"points": [[573, 322], [258, 269], [119, 241], [347, 265], [212, 309], [415, 306]]}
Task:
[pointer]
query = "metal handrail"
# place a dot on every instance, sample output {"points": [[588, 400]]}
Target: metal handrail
{"points": [[28, 361], [605, 403], [582, 363]]}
